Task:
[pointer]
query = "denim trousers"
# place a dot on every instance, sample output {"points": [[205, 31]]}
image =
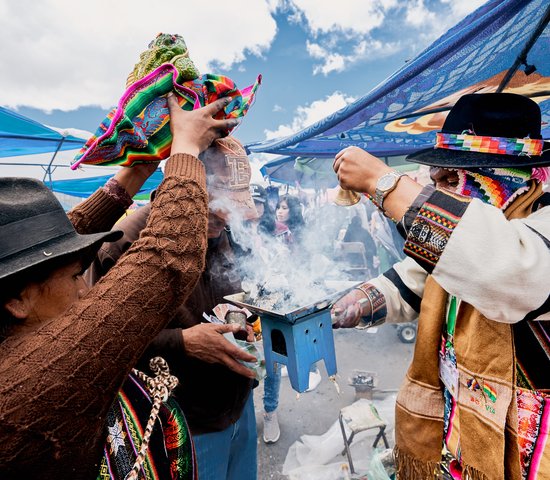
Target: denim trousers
{"points": [[272, 385], [231, 453]]}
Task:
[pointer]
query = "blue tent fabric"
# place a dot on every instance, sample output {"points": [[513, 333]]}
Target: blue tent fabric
{"points": [[20, 135], [306, 172], [313, 172], [84, 187], [402, 114]]}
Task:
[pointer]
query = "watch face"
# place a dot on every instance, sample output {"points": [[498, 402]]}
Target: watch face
{"points": [[385, 182]]}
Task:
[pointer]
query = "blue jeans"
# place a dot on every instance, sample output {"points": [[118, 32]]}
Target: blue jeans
{"points": [[272, 384], [231, 453]]}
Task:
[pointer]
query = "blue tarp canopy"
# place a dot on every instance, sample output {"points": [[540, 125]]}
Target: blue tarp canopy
{"points": [[20, 135], [494, 49], [307, 172], [84, 187], [314, 172]]}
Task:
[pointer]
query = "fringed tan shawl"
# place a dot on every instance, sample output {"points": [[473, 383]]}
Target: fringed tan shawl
{"points": [[485, 353]]}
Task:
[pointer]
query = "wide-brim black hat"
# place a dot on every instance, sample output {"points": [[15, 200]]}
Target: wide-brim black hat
{"points": [[504, 115], [258, 193], [34, 228]]}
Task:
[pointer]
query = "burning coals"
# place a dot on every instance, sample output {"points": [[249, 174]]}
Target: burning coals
{"points": [[279, 296]]}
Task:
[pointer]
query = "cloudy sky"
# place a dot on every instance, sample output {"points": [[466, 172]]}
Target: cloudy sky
{"points": [[65, 63]]}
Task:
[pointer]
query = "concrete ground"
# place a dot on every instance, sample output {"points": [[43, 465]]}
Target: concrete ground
{"points": [[312, 413]]}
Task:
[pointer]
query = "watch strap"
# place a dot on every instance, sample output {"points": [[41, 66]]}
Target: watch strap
{"points": [[380, 195]]}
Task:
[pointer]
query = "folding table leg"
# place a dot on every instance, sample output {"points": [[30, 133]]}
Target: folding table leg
{"points": [[346, 444]]}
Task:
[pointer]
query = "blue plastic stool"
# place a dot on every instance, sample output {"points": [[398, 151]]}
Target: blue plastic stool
{"points": [[297, 345]]}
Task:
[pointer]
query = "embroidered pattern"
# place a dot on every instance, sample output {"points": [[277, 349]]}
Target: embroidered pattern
{"points": [[487, 390], [533, 431], [495, 145], [495, 186], [377, 302], [433, 226], [138, 129], [170, 453]]}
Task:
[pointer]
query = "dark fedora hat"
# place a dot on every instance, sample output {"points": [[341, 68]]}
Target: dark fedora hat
{"points": [[258, 193], [34, 228], [489, 130]]}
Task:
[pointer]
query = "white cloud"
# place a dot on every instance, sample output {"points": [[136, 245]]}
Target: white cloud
{"points": [[352, 15], [277, 108], [336, 62], [310, 114], [461, 9], [433, 23], [417, 14], [353, 32], [62, 55]]}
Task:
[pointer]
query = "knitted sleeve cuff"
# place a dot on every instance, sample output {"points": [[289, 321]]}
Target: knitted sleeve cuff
{"points": [[432, 227], [183, 164], [118, 193]]}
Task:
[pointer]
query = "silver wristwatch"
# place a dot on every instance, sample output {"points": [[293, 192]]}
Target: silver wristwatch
{"points": [[386, 184]]}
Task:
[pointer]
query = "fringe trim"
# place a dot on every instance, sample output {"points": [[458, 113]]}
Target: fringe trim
{"points": [[408, 467], [470, 473]]}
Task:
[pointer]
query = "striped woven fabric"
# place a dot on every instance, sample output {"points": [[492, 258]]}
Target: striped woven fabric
{"points": [[484, 144], [138, 129], [170, 454]]}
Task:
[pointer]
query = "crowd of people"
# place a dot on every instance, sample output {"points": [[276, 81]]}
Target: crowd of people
{"points": [[108, 369]]}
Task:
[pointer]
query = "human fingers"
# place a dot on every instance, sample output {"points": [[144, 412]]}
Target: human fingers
{"points": [[336, 163], [227, 327], [212, 108], [236, 352], [237, 367], [340, 154], [348, 318], [250, 333], [172, 102]]}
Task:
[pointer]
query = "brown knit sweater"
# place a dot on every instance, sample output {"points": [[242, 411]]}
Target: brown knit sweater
{"points": [[57, 383]]}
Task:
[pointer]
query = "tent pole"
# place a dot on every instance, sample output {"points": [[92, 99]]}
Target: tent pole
{"points": [[522, 57], [48, 171]]}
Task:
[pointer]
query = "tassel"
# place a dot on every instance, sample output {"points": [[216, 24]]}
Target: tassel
{"points": [[471, 473], [408, 467]]}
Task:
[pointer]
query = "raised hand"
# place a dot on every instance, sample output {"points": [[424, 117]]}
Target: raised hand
{"points": [[358, 170], [194, 131]]}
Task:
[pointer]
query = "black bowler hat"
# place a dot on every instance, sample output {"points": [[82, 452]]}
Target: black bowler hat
{"points": [[258, 193], [34, 228], [513, 121]]}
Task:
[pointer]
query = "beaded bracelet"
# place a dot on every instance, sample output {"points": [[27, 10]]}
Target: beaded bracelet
{"points": [[371, 322], [361, 288]]}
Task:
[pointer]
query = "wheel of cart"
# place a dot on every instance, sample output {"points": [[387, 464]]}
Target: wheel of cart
{"points": [[406, 332]]}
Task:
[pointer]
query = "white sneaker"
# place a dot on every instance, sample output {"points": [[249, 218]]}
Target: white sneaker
{"points": [[272, 432], [314, 380]]}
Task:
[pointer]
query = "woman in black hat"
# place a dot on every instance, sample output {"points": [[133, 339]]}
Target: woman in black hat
{"points": [[65, 350], [477, 274]]}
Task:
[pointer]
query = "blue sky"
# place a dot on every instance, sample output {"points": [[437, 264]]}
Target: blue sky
{"points": [[65, 63]]}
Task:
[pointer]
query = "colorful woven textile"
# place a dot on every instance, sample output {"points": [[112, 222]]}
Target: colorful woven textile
{"points": [[495, 186], [533, 432], [138, 129], [496, 145], [170, 455]]}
